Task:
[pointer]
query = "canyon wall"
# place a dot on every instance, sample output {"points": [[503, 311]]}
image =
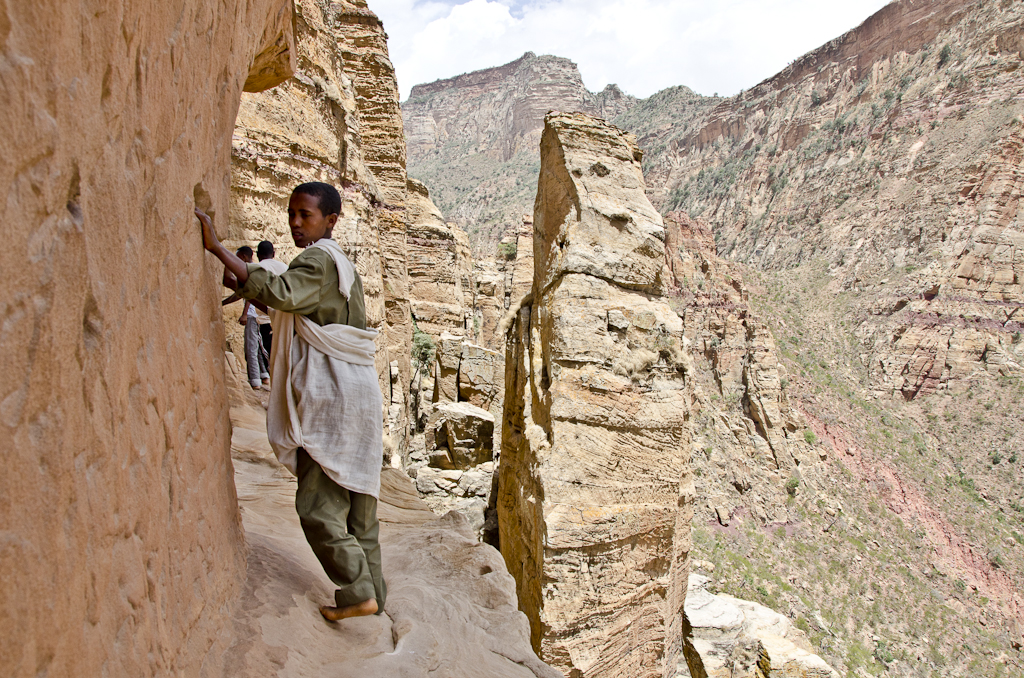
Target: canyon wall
{"points": [[121, 551], [889, 155], [595, 494], [337, 121], [472, 139], [844, 248], [440, 268]]}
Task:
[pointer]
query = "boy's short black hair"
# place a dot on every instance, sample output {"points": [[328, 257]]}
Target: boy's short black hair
{"points": [[244, 251], [327, 196], [265, 250]]}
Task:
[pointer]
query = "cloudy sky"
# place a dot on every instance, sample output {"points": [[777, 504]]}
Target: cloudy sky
{"points": [[643, 46]]}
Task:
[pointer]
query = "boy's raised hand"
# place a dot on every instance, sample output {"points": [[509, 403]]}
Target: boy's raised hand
{"points": [[210, 241], [231, 262]]}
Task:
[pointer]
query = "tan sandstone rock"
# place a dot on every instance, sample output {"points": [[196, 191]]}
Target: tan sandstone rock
{"points": [[594, 489], [122, 547], [337, 121], [736, 638], [440, 267], [463, 433]]}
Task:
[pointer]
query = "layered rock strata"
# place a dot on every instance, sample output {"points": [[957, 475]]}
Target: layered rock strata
{"points": [[122, 547], [751, 440], [889, 155], [594, 494], [337, 121], [473, 138], [440, 267]]}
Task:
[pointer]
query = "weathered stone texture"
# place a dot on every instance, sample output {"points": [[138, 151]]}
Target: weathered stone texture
{"points": [[735, 638], [440, 267], [337, 121], [595, 495], [122, 549], [748, 433]]}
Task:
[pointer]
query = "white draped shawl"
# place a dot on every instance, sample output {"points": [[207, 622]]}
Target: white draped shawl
{"points": [[324, 394]]}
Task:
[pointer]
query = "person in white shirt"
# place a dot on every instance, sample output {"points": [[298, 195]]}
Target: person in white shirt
{"points": [[265, 254]]}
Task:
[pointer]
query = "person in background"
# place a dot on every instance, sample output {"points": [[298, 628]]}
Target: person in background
{"points": [[256, 357], [265, 254]]}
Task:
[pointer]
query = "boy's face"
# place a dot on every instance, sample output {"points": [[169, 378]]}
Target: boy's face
{"points": [[306, 221]]}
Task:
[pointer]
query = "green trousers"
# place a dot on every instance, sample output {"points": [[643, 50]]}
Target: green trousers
{"points": [[342, 528]]}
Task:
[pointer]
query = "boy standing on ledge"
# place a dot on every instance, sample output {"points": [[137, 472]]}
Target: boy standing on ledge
{"points": [[324, 419]]}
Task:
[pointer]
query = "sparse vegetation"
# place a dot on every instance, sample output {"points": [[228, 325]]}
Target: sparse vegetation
{"points": [[507, 251], [944, 55], [423, 348]]}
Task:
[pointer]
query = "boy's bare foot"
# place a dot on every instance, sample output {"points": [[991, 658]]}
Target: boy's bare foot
{"points": [[363, 609]]}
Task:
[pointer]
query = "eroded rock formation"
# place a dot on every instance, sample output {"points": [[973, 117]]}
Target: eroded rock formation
{"points": [[594, 491], [337, 121], [739, 639], [750, 441], [440, 267], [122, 547]]}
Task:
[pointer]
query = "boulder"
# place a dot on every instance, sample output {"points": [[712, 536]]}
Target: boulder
{"points": [[735, 638], [446, 368], [482, 377], [464, 432]]}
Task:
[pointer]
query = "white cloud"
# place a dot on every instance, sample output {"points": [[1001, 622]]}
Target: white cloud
{"points": [[641, 45]]}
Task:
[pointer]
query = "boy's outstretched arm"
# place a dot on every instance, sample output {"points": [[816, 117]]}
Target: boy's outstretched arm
{"points": [[230, 260]]}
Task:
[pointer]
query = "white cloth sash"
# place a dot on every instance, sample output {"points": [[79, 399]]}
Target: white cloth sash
{"points": [[325, 396]]}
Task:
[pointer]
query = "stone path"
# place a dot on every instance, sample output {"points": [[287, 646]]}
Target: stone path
{"points": [[451, 608]]}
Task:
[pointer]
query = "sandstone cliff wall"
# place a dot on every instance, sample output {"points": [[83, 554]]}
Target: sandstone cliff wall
{"points": [[440, 267], [594, 493], [337, 121], [122, 551]]}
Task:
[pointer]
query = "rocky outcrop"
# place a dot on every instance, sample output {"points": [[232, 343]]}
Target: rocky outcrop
{"points": [[473, 138], [122, 548], [594, 492], [337, 121], [748, 433], [735, 638], [440, 267], [454, 459]]}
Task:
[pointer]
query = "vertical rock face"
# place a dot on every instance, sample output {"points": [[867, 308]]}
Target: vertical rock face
{"points": [[337, 121], [747, 431], [121, 551], [595, 494], [440, 267]]}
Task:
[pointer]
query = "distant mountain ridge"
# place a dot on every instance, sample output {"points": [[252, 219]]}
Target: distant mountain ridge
{"points": [[473, 139]]}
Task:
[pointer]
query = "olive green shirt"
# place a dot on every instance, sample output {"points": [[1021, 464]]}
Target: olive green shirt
{"points": [[309, 287]]}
